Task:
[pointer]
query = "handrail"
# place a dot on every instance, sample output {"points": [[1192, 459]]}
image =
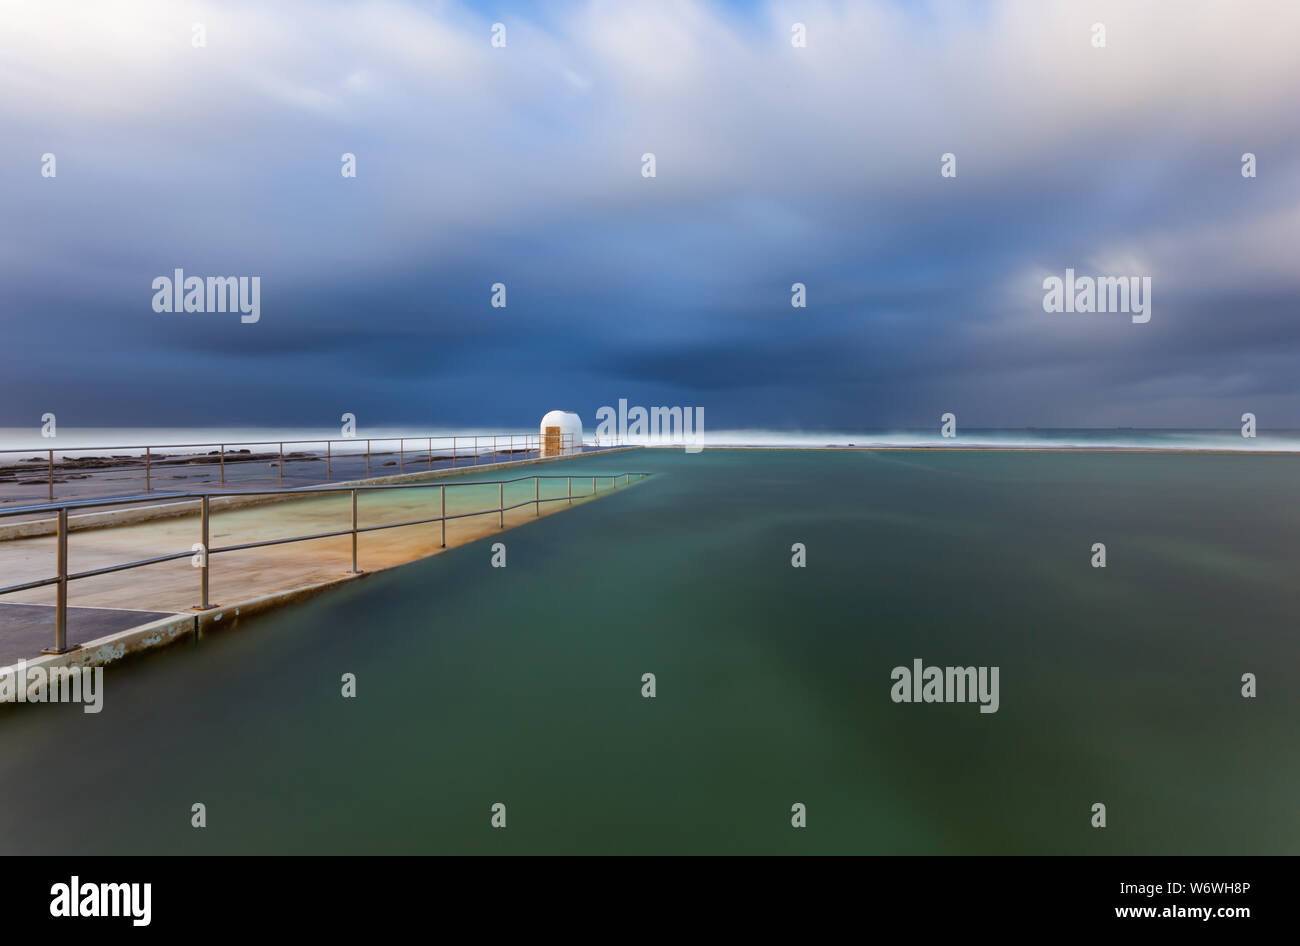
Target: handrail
{"points": [[471, 445], [289, 491], [268, 443], [64, 577]]}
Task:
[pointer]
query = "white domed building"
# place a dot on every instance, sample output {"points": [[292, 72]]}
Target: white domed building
{"points": [[561, 433]]}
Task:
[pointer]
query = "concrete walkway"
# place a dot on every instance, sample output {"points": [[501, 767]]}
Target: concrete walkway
{"points": [[26, 628], [245, 575]]}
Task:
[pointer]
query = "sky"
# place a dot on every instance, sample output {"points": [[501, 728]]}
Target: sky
{"points": [[774, 165]]}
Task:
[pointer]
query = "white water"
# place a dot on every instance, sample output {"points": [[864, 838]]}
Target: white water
{"points": [[1089, 438], [102, 441]]}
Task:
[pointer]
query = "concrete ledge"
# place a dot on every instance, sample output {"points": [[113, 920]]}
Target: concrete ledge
{"points": [[175, 629], [179, 509], [195, 627], [225, 618], [114, 647]]}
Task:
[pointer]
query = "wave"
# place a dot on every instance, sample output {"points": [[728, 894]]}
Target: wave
{"points": [[131, 441], [1011, 438]]}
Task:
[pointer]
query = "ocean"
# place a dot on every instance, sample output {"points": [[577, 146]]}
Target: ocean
{"points": [[522, 686], [83, 441]]}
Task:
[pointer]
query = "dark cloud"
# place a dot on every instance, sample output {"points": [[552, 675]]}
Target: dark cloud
{"points": [[924, 293]]}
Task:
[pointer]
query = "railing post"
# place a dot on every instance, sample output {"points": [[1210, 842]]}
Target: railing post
{"points": [[329, 459], [354, 532], [204, 533], [453, 452], [61, 610], [443, 493], [61, 615], [401, 455], [476, 449], [147, 458], [537, 495], [280, 468], [501, 503], [494, 448], [51, 477], [431, 453], [570, 490], [593, 486], [223, 464]]}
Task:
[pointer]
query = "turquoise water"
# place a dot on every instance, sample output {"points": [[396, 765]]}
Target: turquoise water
{"points": [[523, 685]]}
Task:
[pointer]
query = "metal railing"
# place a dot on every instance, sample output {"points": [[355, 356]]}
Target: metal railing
{"points": [[454, 448], [63, 577]]}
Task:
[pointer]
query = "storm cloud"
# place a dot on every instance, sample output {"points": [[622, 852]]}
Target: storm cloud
{"points": [[775, 165]]}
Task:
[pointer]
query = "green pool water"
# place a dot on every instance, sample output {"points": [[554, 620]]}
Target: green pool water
{"points": [[522, 685]]}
